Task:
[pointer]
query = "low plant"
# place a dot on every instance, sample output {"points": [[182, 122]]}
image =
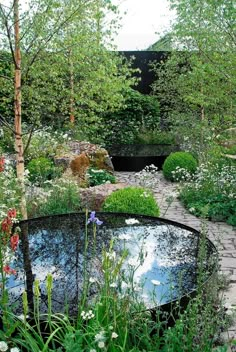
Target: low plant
{"points": [[42, 169], [176, 165], [211, 192], [132, 200], [97, 177], [58, 197], [148, 177]]}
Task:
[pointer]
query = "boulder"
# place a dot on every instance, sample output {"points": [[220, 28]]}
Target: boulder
{"points": [[93, 197], [80, 155]]}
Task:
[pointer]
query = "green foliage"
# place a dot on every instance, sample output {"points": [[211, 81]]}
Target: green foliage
{"points": [[132, 200], [42, 169], [155, 137], [98, 177], [139, 111], [60, 198], [45, 143], [179, 162], [10, 190], [6, 140], [211, 192]]}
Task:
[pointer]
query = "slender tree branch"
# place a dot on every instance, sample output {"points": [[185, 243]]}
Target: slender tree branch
{"points": [[6, 77], [4, 122], [29, 139]]}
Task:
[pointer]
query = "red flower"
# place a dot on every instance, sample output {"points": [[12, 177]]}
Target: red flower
{"points": [[14, 241], [8, 270], [2, 163], [11, 213], [6, 225]]}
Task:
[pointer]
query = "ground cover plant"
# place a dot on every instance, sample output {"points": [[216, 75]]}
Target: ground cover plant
{"points": [[97, 177], [211, 192]]}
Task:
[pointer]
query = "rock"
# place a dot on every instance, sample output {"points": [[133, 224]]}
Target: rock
{"points": [[93, 197], [98, 157], [79, 165]]}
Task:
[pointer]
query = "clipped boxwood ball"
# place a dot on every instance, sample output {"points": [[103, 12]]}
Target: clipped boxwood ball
{"points": [[179, 162], [134, 200]]}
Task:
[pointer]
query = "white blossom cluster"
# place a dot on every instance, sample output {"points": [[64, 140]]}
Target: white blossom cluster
{"points": [[148, 177]]}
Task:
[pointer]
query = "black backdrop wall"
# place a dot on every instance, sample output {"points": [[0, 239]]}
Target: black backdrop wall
{"points": [[142, 60]]}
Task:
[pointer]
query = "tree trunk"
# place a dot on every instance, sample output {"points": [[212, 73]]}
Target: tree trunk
{"points": [[20, 167]]}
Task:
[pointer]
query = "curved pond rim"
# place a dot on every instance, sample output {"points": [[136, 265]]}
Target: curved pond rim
{"points": [[167, 304]]}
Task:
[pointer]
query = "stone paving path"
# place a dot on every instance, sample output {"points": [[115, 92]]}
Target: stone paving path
{"points": [[223, 235]]}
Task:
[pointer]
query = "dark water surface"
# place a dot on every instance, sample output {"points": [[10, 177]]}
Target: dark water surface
{"points": [[161, 254]]}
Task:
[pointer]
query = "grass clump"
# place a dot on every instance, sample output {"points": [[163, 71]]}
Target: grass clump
{"points": [[132, 200], [177, 164]]}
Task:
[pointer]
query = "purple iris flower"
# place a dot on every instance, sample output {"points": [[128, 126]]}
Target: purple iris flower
{"points": [[94, 219]]}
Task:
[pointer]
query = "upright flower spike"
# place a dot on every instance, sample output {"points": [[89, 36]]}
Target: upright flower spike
{"points": [[14, 241], [93, 219], [11, 213], [2, 164]]}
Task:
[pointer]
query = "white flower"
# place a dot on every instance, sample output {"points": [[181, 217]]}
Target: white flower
{"points": [[155, 282], [113, 284], [14, 349], [100, 336], [131, 221], [114, 335], [191, 210], [87, 315], [111, 255], [124, 236], [92, 350], [101, 344], [92, 280], [3, 346]]}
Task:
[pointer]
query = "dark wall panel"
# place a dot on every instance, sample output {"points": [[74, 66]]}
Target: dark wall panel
{"points": [[142, 60]]}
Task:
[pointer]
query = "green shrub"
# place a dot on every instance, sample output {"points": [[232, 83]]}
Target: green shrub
{"points": [[132, 200], [98, 177], [178, 165], [42, 169]]}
